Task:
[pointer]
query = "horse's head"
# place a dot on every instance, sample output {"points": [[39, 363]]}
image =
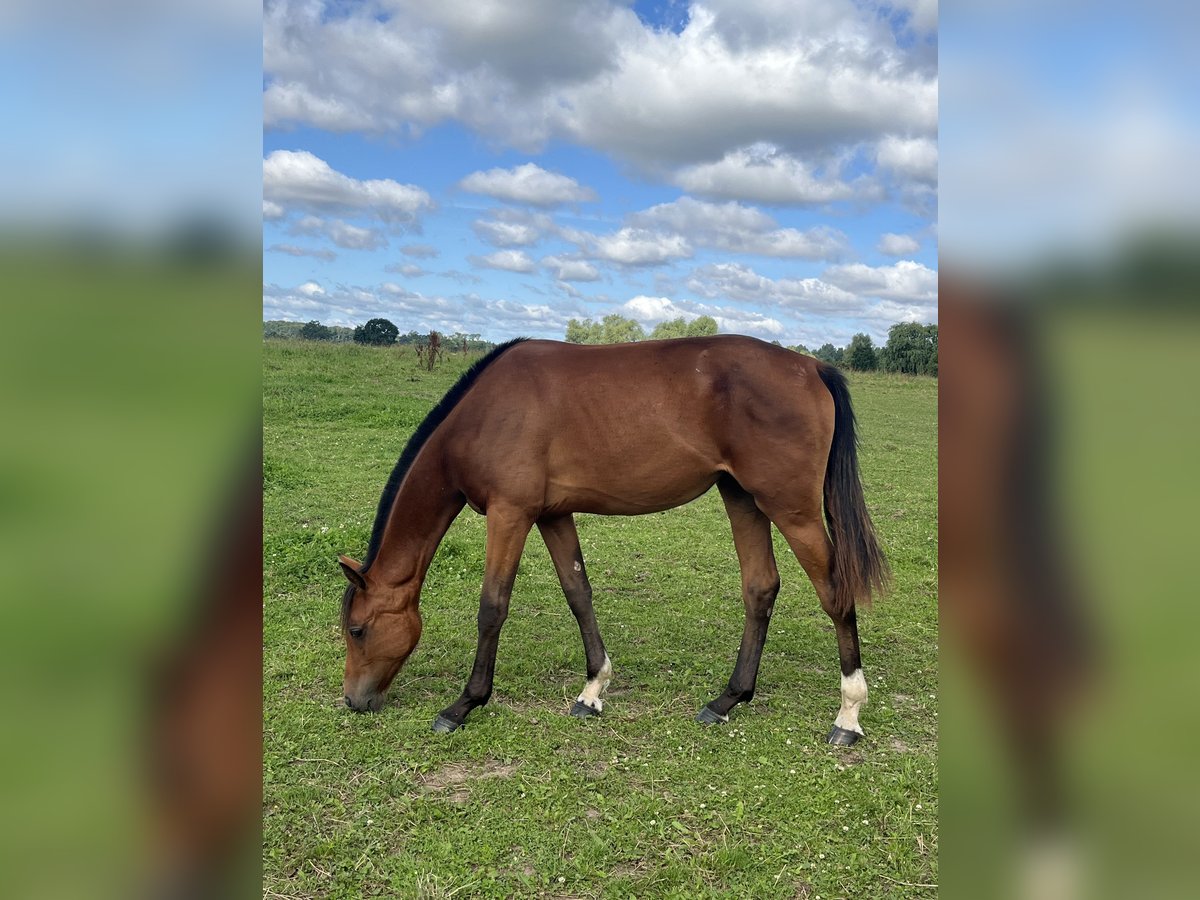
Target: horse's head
{"points": [[381, 627]]}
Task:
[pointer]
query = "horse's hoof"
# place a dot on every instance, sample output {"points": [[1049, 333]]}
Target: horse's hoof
{"points": [[442, 725], [842, 737], [582, 711], [707, 717]]}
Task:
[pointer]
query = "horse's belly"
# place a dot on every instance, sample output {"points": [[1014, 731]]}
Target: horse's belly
{"points": [[628, 496]]}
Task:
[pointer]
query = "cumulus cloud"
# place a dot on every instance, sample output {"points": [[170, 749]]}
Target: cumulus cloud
{"points": [[738, 282], [564, 269], [898, 244], [408, 270], [904, 280], [912, 158], [505, 260], [806, 78], [529, 184], [764, 174], [506, 234], [298, 180], [343, 234], [640, 247], [740, 229]]}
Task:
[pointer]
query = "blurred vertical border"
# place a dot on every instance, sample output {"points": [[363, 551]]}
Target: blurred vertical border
{"points": [[130, 510], [1069, 433]]}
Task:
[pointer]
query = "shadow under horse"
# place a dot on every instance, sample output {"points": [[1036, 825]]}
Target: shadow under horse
{"points": [[537, 431]]}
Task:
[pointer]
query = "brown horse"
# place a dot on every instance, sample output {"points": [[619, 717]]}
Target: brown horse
{"points": [[538, 430]]}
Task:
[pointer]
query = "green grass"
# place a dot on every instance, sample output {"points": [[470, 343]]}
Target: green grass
{"points": [[642, 802]]}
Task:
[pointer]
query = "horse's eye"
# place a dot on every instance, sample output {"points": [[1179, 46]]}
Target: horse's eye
{"points": [[356, 631]]}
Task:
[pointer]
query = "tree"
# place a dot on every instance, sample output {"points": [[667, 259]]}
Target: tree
{"points": [[585, 332], [911, 349], [830, 354], [702, 326], [672, 328], [376, 331], [315, 331], [612, 329], [619, 330], [860, 355], [800, 348]]}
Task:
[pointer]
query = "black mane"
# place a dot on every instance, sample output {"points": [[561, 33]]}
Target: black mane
{"points": [[435, 418]]}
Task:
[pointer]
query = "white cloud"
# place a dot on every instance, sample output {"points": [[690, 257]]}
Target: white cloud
{"points": [[904, 280], [739, 282], [763, 174], [293, 250], [806, 78], [506, 234], [505, 260], [529, 184], [343, 234], [641, 247], [310, 289], [740, 229], [420, 251], [898, 244], [296, 179], [912, 158], [571, 269], [408, 270], [272, 211]]}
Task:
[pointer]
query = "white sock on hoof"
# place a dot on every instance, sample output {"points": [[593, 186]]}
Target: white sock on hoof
{"points": [[854, 695], [596, 686]]}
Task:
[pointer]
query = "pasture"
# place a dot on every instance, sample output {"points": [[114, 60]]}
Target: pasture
{"points": [[643, 801]]}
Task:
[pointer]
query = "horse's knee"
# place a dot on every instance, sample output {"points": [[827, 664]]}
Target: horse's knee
{"points": [[760, 595], [491, 616]]}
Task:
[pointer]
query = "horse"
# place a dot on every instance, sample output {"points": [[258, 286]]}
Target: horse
{"points": [[537, 431]]}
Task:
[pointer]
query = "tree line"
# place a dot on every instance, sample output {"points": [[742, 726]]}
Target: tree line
{"points": [[377, 332], [616, 329], [911, 349]]}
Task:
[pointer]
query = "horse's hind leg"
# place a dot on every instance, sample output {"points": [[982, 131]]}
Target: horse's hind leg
{"points": [[506, 533], [563, 543], [810, 542], [760, 586]]}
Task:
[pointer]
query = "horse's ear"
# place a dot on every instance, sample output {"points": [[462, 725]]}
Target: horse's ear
{"points": [[351, 568]]}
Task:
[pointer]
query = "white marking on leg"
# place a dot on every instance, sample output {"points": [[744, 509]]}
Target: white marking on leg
{"points": [[596, 686], [854, 695], [578, 567]]}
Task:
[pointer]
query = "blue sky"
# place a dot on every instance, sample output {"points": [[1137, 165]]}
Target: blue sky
{"points": [[500, 167]]}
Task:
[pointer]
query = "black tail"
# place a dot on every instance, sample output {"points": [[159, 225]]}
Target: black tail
{"points": [[860, 569]]}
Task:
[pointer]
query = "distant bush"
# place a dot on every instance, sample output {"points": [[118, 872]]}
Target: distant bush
{"points": [[376, 331], [315, 331]]}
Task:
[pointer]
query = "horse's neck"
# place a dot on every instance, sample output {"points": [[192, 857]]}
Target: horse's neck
{"points": [[422, 512]]}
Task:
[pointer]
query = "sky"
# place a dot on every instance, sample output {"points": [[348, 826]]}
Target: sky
{"points": [[500, 167]]}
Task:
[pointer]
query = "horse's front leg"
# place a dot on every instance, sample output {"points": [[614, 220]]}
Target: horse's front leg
{"points": [[562, 540], [506, 533]]}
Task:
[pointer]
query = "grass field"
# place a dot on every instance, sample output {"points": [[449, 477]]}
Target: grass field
{"points": [[641, 802]]}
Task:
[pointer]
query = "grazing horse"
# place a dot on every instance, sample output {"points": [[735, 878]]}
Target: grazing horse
{"points": [[538, 430]]}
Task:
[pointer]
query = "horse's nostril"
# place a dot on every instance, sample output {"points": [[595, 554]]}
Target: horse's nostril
{"points": [[349, 703]]}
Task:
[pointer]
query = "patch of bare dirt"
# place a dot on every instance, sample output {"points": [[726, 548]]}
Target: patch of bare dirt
{"points": [[455, 779]]}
